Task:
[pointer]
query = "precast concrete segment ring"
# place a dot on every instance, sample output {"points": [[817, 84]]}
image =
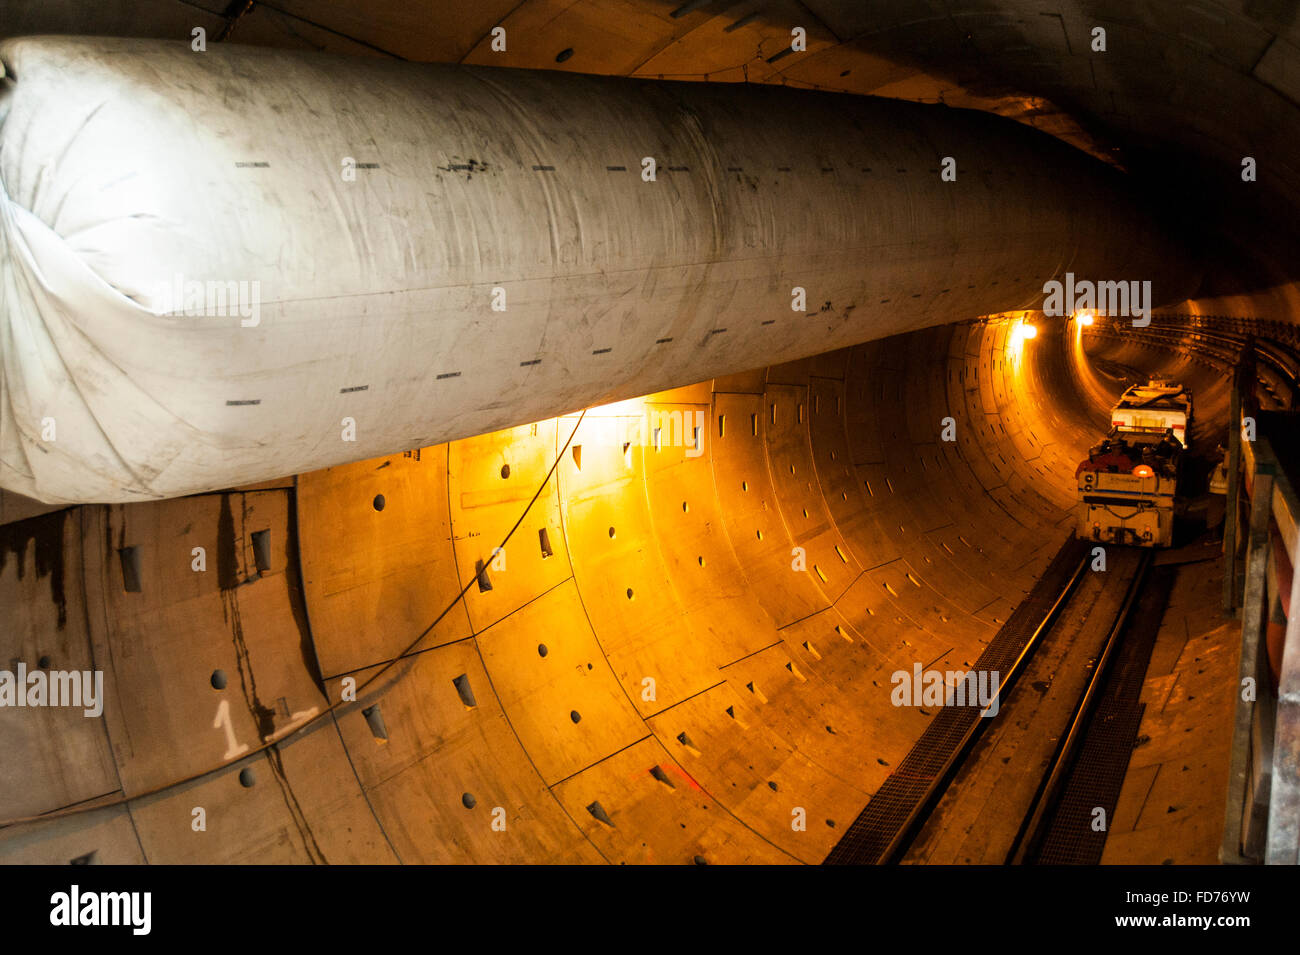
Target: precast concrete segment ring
{"points": [[94, 805]]}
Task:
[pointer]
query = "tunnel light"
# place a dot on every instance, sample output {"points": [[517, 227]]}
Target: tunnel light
{"points": [[1021, 332], [1084, 318], [1143, 471]]}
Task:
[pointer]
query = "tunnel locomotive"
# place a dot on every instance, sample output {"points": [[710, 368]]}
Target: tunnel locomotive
{"points": [[1128, 485]]}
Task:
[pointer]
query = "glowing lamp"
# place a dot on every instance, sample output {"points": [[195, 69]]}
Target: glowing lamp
{"points": [[1144, 471], [1028, 331], [1084, 318]]}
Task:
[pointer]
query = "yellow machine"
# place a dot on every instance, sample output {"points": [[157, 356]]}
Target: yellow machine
{"points": [[1152, 408], [1128, 506], [1128, 487]]}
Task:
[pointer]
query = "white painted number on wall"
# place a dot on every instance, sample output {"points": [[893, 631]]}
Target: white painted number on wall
{"points": [[233, 746]]}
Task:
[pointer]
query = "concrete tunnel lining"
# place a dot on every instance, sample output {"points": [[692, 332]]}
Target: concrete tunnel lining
{"points": [[770, 685]]}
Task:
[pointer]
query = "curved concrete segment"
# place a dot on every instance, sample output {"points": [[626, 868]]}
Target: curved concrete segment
{"points": [[222, 267], [683, 653]]}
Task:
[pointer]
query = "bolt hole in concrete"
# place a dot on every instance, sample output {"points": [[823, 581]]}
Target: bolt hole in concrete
{"points": [[378, 502], [505, 471], [629, 593], [131, 576], [685, 507], [262, 551], [468, 801], [563, 55], [701, 560], [611, 532], [575, 716], [247, 778], [541, 650], [218, 679], [375, 720], [44, 663], [465, 691]]}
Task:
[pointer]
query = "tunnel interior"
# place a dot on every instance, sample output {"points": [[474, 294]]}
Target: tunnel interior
{"points": [[650, 632], [666, 629]]}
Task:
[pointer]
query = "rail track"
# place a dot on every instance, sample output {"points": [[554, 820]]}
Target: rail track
{"points": [[991, 790]]}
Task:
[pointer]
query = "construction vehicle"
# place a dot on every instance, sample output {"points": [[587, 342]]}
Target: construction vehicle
{"points": [[1128, 487]]}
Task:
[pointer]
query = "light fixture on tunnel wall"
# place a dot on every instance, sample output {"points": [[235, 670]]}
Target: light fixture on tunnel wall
{"points": [[1021, 332], [1084, 318]]}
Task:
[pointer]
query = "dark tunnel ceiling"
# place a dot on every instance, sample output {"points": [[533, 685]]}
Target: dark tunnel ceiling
{"points": [[1183, 91]]}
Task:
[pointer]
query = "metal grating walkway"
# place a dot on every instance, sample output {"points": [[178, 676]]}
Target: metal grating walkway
{"points": [[867, 840]]}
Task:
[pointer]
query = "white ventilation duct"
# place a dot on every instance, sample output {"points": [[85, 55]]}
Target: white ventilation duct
{"points": [[345, 227]]}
